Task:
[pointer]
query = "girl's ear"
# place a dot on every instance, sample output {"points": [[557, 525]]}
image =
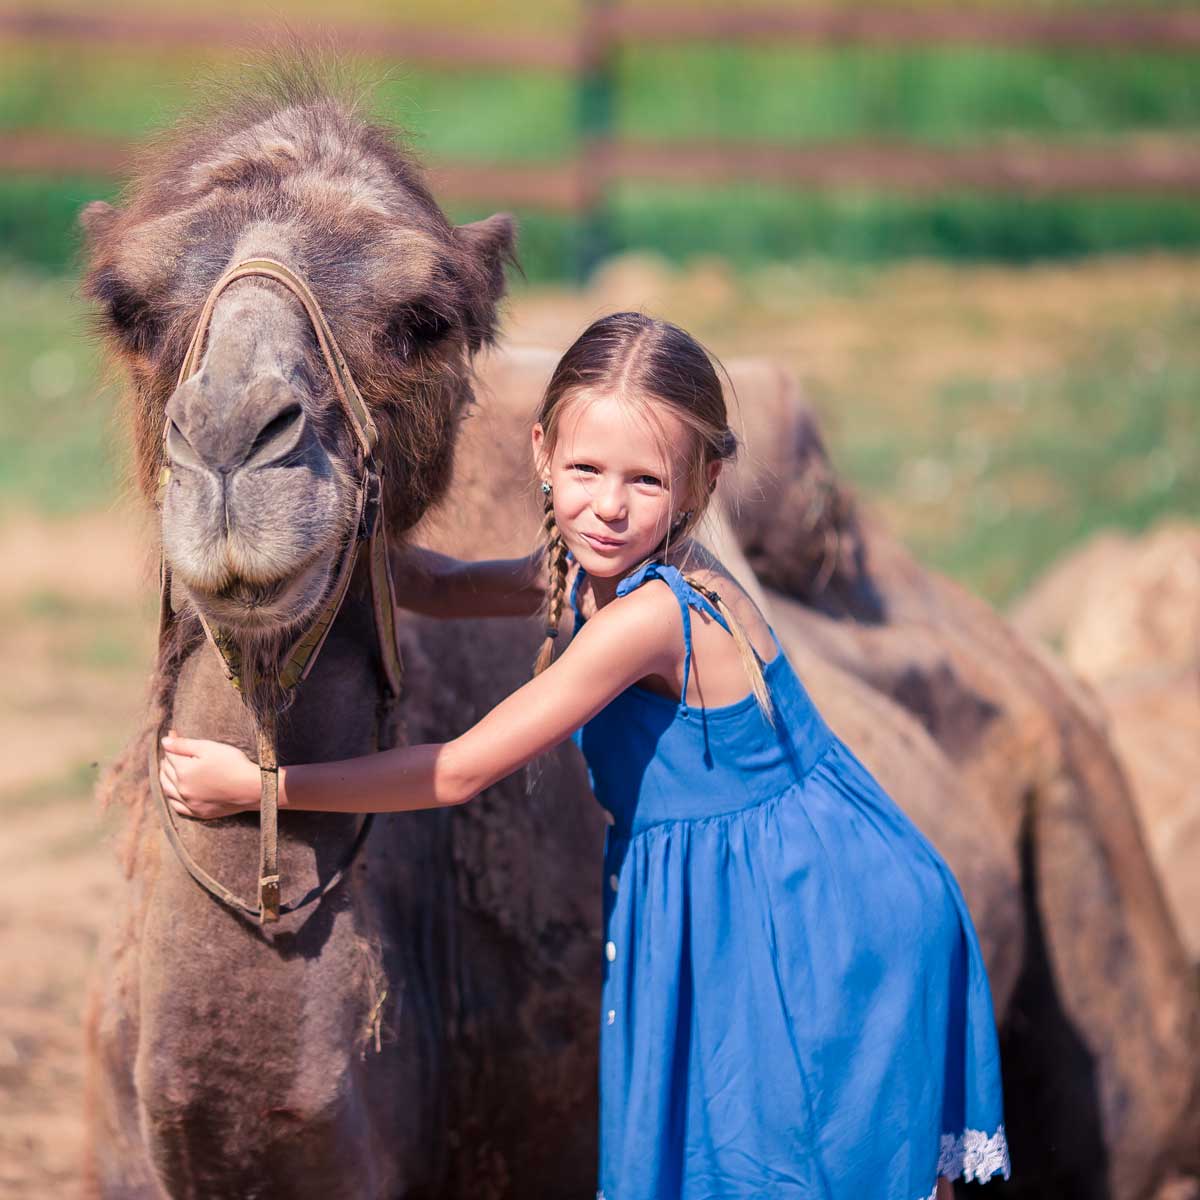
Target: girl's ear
{"points": [[540, 461], [713, 473]]}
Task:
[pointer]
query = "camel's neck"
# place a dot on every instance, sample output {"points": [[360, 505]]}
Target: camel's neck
{"points": [[332, 713], [333, 716]]}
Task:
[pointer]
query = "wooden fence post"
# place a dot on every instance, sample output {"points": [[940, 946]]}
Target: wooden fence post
{"points": [[596, 118]]}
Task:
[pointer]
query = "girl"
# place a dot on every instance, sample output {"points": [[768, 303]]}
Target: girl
{"points": [[794, 1003]]}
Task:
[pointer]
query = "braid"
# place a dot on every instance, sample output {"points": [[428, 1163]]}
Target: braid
{"points": [[556, 564], [749, 656]]}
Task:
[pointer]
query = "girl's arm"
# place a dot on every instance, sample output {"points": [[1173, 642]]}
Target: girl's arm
{"points": [[624, 642], [440, 586]]}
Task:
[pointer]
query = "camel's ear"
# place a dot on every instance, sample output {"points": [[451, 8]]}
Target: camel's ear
{"points": [[128, 314], [492, 242], [96, 219]]}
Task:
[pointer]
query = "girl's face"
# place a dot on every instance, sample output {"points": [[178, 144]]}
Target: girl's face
{"points": [[618, 479]]}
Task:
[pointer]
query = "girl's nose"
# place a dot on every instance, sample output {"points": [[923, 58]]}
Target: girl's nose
{"points": [[608, 503]]}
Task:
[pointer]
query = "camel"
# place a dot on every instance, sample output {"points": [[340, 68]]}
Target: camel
{"points": [[429, 1027], [997, 754], [1126, 611]]}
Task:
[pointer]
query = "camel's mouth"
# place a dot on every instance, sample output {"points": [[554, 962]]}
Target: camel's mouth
{"points": [[251, 596], [253, 607]]}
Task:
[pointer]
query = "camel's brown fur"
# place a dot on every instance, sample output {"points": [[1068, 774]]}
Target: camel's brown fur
{"points": [[410, 296]]}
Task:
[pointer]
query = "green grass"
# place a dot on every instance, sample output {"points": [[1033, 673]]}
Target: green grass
{"points": [[486, 115], [749, 226], [546, 242], [38, 215], [73, 89], [756, 225], [482, 115], [38, 227], [787, 93], [1134, 466], [56, 452], [1022, 469], [967, 95]]}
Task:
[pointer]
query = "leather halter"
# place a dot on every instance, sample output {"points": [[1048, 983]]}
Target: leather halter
{"points": [[300, 658]]}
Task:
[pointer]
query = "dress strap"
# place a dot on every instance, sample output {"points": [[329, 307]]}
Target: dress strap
{"points": [[688, 599]]}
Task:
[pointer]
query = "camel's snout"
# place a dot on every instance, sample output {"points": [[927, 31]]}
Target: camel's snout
{"points": [[226, 429], [253, 517]]}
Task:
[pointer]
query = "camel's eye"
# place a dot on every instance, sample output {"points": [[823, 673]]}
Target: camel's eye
{"points": [[129, 314], [415, 326]]}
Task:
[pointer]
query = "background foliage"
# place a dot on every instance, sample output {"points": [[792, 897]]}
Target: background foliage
{"points": [[994, 432]]}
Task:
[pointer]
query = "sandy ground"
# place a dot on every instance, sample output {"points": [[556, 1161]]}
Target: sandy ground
{"points": [[76, 636]]}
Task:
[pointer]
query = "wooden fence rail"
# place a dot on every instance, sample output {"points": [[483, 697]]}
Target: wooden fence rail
{"points": [[1131, 166], [867, 24], [612, 25], [445, 49], [1169, 164]]}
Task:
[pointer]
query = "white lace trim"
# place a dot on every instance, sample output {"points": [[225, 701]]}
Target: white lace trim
{"points": [[975, 1155]]}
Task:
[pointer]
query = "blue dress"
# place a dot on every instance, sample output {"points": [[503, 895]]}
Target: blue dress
{"points": [[794, 1003]]}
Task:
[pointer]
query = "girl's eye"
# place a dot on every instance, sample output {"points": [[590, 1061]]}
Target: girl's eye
{"points": [[649, 480], [583, 467]]}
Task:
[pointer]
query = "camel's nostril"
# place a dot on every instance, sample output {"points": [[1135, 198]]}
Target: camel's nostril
{"points": [[260, 425], [278, 438], [179, 449]]}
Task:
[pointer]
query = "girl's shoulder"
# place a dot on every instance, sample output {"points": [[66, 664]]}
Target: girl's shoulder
{"points": [[653, 601], [643, 626], [649, 612]]}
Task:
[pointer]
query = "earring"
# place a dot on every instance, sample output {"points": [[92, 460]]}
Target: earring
{"points": [[545, 488]]}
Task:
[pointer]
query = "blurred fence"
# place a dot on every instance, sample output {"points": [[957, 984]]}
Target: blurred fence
{"points": [[1166, 164]]}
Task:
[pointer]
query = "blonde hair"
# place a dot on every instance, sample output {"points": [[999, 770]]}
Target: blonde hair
{"points": [[645, 360]]}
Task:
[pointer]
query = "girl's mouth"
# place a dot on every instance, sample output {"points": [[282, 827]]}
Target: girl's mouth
{"points": [[602, 543]]}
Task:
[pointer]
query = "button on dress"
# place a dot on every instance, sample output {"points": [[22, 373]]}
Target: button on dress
{"points": [[794, 1005]]}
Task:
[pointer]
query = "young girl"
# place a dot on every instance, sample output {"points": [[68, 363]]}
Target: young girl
{"points": [[794, 1003]]}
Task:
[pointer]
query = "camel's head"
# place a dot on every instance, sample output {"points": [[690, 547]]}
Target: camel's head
{"points": [[263, 473]]}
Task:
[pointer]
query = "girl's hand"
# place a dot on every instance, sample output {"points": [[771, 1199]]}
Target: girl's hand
{"points": [[206, 779]]}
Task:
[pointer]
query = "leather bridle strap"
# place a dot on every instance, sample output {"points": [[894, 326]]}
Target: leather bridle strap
{"points": [[343, 382], [268, 844], [215, 886], [298, 662]]}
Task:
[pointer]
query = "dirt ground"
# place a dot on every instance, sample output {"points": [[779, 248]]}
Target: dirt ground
{"points": [[76, 635]]}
